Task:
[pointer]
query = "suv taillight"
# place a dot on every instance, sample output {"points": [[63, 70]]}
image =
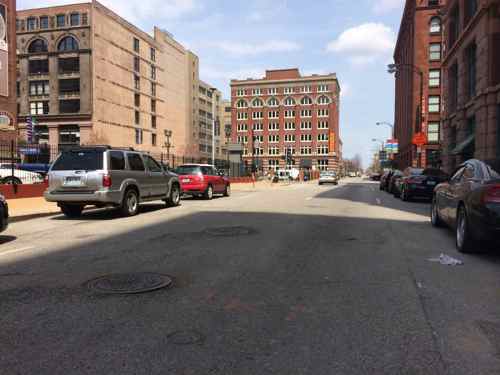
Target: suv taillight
{"points": [[106, 181], [492, 194]]}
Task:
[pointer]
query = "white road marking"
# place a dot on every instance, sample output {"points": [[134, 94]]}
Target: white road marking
{"points": [[22, 249]]}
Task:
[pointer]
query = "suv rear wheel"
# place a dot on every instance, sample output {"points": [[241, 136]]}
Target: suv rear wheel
{"points": [[72, 210], [130, 204], [175, 196]]}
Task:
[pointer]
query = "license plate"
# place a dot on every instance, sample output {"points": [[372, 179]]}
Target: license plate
{"points": [[186, 180], [431, 183], [73, 181]]}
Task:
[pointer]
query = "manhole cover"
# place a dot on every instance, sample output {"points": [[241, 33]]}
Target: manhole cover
{"points": [[185, 338], [129, 283], [229, 231]]}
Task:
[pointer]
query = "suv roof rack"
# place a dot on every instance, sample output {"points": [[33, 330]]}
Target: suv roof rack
{"points": [[107, 147]]}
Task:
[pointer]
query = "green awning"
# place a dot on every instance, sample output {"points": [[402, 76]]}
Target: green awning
{"points": [[461, 147]]}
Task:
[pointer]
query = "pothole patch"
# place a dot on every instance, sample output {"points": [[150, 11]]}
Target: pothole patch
{"points": [[233, 231], [189, 337], [129, 283]]}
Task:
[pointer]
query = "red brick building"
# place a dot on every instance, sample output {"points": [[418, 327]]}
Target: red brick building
{"points": [[418, 55], [8, 104], [471, 69], [285, 111]]}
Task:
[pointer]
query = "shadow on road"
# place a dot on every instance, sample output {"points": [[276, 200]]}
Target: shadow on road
{"points": [[112, 213]]}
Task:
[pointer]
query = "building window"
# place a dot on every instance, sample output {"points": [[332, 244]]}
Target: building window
{"points": [[274, 114], [240, 92], [289, 137], [258, 126], [306, 89], [306, 137], [74, 19], [289, 126], [136, 45], [69, 135], [306, 113], [323, 164], [289, 102], [470, 9], [241, 104], [306, 150], [85, 19], [471, 58], [137, 100], [433, 132], [272, 91], [273, 102], [31, 23], [137, 117], [18, 90], [289, 114], [258, 139], [38, 67], [68, 44], [323, 150], [69, 106], [453, 88], [434, 104], [39, 108], [323, 137], [274, 126], [274, 138], [61, 20], [153, 122], [306, 101], [435, 78], [153, 105], [153, 139], [153, 89], [137, 64], [323, 88], [41, 134], [242, 116], [257, 115], [306, 125], [137, 82], [69, 86], [39, 88], [435, 52], [257, 103], [435, 25], [69, 65], [153, 54], [44, 22], [138, 136], [322, 100], [323, 112], [38, 46], [257, 92], [288, 90], [322, 124]]}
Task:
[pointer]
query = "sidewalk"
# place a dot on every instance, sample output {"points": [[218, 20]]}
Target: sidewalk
{"points": [[30, 208]]}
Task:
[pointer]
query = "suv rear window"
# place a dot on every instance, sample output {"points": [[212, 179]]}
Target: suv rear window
{"points": [[188, 169], [135, 162], [117, 161], [79, 160]]}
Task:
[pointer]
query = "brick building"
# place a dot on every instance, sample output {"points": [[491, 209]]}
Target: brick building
{"points": [[471, 69], [419, 49], [285, 110], [8, 108]]}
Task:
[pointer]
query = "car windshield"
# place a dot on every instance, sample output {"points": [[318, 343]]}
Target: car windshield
{"points": [[188, 169], [79, 160]]}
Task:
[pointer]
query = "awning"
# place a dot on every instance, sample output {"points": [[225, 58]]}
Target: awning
{"points": [[463, 145]]}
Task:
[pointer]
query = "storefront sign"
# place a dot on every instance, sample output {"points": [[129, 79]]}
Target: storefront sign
{"points": [[4, 53]]}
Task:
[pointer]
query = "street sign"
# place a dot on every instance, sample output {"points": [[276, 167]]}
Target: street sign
{"points": [[419, 139], [392, 146]]}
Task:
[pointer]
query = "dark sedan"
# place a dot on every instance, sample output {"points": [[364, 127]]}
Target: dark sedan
{"points": [[470, 203], [420, 183], [393, 180]]}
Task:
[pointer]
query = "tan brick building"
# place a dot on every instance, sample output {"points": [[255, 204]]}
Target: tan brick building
{"points": [[87, 76], [471, 70], [418, 55], [287, 111], [8, 109]]}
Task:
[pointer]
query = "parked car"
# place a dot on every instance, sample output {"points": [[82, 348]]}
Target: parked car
{"points": [[384, 180], [398, 182], [469, 202], [396, 174], [203, 180], [105, 176], [4, 213], [19, 177], [375, 176], [419, 183], [328, 177]]}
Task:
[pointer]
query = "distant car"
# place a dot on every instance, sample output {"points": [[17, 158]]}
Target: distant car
{"points": [[328, 178], [469, 202], [104, 176], [203, 180], [19, 177], [375, 176], [352, 174], [419, 183], [4, 213], [395, 176]]}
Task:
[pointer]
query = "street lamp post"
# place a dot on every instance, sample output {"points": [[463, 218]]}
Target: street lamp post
{"points": [[168, 144], [395, 68], [387, 124]]}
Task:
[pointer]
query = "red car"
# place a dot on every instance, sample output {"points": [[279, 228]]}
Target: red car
{"points": [[203, 180]]}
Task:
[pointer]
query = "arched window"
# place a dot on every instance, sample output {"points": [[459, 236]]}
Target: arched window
{"points": [[289, 102], [306, 101], [257, 103], [38, 46], [68, 44], [323, 100], [273, 102], [435, 26], [241, 104]]}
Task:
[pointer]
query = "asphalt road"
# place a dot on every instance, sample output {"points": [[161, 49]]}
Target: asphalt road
{"points": [[294, 280]]}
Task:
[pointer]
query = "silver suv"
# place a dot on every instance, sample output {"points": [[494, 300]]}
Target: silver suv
{"points": [[103, 176]]}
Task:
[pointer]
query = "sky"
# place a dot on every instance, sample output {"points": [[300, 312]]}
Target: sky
{"points": [[237, 39]]}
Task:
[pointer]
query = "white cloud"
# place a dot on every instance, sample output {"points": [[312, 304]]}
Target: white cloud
{"points": [[365, 43], [385, 6], [253, 49], [210, 72], [345, 90]]}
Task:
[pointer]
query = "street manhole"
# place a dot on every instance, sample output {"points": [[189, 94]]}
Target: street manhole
{"points": [[185, 338], [129, 283], [234, 231]]}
